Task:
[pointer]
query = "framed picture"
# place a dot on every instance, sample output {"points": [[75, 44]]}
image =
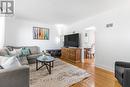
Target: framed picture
{"points": [[40, 33]]}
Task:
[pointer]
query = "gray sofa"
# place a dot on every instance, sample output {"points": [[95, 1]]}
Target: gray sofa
{"points": [[122, 73], [13, 77], [34, 52], [16, 77]]}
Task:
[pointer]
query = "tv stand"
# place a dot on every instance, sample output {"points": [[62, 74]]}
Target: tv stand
{"points": [[71, 54]]}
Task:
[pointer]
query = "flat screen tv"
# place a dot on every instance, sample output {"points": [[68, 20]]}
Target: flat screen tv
{"points": [[71, 40]]}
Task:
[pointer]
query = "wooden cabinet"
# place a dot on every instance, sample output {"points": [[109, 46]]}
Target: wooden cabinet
{"points": [[71, 54]]}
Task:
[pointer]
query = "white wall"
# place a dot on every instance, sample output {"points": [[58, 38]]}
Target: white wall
{"points": [[2, 32], [112, 44], [19, 33]]}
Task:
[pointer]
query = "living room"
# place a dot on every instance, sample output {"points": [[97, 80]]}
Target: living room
{"points": [[108, 19]]}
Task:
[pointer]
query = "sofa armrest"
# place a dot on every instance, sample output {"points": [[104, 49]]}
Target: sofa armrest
{"points": [[16, 77], [122, 64], [41, 53], [126, 82]]}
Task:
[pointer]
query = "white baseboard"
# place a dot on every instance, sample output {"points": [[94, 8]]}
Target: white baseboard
{"points": [[105, 67]]}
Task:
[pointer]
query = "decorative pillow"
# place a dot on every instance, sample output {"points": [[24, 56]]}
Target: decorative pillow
{"points": [[10, 48], [13, 52], [4, 51], [19, 52], [11, 63], [3, 59], [25, 51], [16, 52], [34, 49]]}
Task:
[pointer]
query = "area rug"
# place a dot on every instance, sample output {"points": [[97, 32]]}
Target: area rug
{"points": [[63, 75]]}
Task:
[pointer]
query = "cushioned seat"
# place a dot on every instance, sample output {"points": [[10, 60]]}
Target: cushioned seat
{"points": [[15, 77], [33, 56]]}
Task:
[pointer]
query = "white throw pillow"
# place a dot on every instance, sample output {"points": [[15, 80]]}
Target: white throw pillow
{"points": [[3, 59], [12, 53], [18, 51], [11, 63]]}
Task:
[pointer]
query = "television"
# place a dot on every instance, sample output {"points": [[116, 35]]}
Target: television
{"points": [[71, 40]]}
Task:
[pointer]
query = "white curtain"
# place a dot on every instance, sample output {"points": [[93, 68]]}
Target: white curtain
{"points": [[2, 31]]}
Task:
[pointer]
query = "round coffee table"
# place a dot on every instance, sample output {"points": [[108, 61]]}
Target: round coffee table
{"points": [[47, 61]]}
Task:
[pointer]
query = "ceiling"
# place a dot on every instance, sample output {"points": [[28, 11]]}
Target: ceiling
{"points": [[62, 11]]}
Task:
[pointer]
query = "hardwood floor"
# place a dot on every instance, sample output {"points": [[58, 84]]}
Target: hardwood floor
{"points": [[98, 78]]}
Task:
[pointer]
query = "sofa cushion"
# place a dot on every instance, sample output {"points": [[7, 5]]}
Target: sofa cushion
{"points": [[23, 60], [120, 70], [12, 53], [19, 52], [33, 56], [10, 48], [34, 49], [4, 52], [3, 59], [25, 51], [15, 52], [11, 63]]}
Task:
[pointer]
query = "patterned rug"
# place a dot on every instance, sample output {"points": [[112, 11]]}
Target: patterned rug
{"points": [[63, 75]]}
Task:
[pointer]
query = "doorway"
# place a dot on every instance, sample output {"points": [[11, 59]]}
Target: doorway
{"points": [[89, 45]]}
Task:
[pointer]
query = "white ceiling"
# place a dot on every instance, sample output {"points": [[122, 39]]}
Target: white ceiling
{"points": [[62, 11]]}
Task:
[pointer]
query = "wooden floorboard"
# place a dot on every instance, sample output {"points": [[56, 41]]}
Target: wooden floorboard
{"points": [[98, 78]]}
